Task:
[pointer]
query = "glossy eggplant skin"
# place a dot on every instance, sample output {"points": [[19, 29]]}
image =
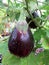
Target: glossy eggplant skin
{"points": [[28, 19], [21, 44]]}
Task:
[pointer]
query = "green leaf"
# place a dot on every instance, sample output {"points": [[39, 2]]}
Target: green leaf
{"points": [[47, 33], [37, 34], [17, 15], [45, 7], [45, 44]]}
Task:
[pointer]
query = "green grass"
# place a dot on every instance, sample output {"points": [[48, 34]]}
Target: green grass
{"points": [[9, 59]]}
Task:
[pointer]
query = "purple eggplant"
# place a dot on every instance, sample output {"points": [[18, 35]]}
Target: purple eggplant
{"points": [[21, 43]]}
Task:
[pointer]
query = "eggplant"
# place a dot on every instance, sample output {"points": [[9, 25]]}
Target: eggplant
{"points": [[21, 43], [32, 24]]}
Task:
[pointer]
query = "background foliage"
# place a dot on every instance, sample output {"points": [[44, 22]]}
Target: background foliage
{"points": [[17, 10]]}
